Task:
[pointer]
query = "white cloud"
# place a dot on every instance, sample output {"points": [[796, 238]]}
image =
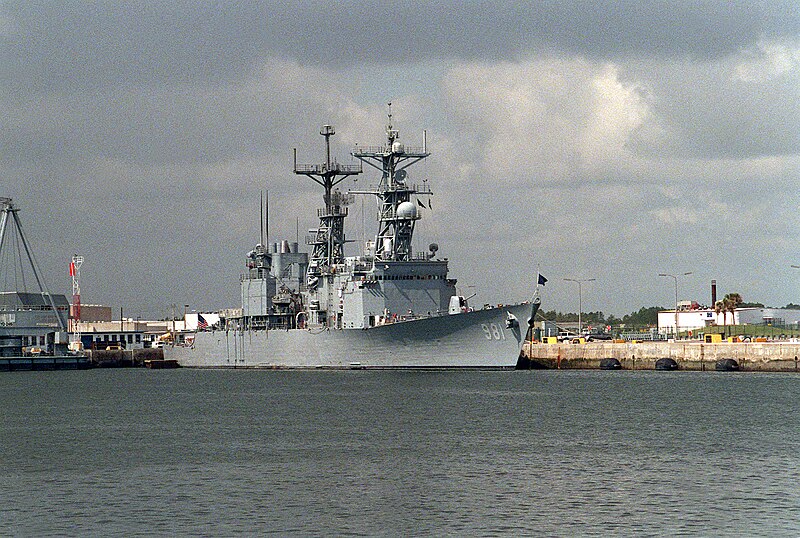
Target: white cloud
{"points": [[561, 121], [616, 110], [768, 60], [740, 107]]}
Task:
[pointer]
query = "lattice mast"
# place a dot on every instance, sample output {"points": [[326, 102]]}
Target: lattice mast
{"points": [[328, 240], [397, 214], [75, 273]]}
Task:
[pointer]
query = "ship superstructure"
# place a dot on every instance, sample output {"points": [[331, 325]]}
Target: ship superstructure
{"points": [[271, 287], [388, 282]]}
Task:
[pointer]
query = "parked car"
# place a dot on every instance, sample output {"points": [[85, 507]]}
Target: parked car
{"points": [[591, 337]]}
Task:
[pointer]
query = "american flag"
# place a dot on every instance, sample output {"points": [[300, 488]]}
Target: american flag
{"points": [[201, 322]]}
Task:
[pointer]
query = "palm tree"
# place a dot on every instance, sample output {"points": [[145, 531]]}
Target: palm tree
{"points": [[719, 307], [731, 303]]}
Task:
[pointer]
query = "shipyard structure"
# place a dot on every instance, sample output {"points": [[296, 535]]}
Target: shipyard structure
{"points": [[29, 323], [33, 324]]}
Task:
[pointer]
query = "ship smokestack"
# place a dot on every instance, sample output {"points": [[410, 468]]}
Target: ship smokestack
{"points": [[713, 293]]}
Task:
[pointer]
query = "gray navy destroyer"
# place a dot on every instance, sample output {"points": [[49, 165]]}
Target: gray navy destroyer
{"points": [[390, 307]]}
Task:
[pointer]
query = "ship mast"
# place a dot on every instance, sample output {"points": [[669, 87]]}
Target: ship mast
{"points": [[329, 239], [397, 213]]}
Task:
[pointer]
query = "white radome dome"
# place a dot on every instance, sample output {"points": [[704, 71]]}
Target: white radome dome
{"points": [[407, 211]]}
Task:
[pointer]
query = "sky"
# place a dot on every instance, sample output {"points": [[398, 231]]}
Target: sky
{"points": [[581, 139]]}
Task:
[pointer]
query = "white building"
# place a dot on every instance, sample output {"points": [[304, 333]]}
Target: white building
{"points": [[704, 317]]}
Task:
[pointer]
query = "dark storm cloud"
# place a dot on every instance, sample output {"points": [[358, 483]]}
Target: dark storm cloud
{"points": [[61, 45]]}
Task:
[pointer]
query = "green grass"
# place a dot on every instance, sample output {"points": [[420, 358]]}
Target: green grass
{"points": [[756, 331]]}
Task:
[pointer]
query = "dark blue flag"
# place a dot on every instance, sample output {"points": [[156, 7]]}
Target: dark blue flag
{"points": [[542, 280]]}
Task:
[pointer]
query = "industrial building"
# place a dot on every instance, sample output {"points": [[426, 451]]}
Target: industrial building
{"points": [[28, 321], [90, 312]]}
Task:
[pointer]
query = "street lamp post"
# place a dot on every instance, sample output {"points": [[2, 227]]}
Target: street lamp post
{"points": [[580, 299], [795, 266], [675, 278]]}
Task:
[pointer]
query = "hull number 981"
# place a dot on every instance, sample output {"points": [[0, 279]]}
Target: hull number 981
{"points": [[493, 331]]}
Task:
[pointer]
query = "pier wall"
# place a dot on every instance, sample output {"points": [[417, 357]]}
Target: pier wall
{"points": [[92, 359], [13, 364], [755, 357], [124, 357]]}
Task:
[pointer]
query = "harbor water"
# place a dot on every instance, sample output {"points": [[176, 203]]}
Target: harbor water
{"points": [[399, 453]]}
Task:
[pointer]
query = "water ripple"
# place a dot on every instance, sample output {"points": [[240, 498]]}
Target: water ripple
{"points": [[134, 453]]}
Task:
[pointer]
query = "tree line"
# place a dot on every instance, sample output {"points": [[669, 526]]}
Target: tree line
{"points": [[645, 316]]}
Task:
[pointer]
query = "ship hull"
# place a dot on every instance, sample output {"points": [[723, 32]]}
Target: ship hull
{"points": [[478, 339]]}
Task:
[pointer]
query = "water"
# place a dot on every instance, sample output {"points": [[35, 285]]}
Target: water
{"points": [[547, 453]]}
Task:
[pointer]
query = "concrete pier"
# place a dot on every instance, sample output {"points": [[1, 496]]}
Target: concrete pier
{"points": [[689, 355]]}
